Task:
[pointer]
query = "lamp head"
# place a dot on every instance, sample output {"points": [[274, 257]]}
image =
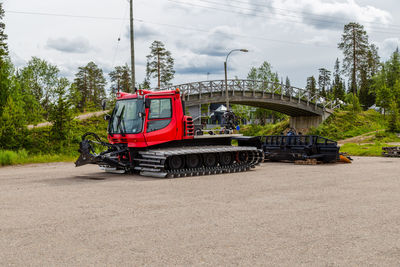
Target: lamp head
{"points": [[244, 50]]}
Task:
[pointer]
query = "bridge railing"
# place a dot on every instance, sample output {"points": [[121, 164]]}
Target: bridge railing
{"points": [[277, 90]]}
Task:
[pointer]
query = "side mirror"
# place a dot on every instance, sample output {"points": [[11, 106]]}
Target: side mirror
{"points": [[147, 103], [107, 117]]}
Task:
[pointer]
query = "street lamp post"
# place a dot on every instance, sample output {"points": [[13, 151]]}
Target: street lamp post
{"points": [[226, 75]]}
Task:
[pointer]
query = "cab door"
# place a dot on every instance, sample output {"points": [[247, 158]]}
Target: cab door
{"points": [[160, 124]]}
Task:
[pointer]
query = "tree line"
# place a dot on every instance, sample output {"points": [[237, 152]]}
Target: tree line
{"points": [[38, 91], [370, 82], [360, 80]]}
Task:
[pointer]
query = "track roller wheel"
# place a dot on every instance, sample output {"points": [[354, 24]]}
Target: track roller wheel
{"points": [[210, 160], [176, 162], [193, 161], [225, 158], [242, 156]]}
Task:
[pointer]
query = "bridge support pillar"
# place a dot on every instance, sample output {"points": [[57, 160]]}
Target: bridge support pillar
{"points": [[304, 123]]}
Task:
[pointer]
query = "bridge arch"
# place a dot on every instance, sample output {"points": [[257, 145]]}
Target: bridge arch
{"points": [[306, 109]]}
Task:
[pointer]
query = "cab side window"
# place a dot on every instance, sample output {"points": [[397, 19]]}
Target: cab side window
{"points": [[160, 114], [160, 108]]}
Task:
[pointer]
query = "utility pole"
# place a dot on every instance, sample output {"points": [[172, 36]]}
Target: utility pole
{"points": [[132, 47]]}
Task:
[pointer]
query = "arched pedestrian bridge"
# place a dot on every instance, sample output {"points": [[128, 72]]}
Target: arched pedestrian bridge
{"points": [[306, 109]]}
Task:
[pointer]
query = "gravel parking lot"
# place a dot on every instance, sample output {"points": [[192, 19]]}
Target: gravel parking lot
{"points": [[277, 214]]}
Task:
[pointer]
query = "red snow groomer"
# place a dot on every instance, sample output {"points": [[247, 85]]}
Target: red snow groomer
{"points": [[149, 133]]}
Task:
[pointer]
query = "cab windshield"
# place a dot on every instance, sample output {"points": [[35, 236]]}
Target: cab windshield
{"points": [[125, 118]]}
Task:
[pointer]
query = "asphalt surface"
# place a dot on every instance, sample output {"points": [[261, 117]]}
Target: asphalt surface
{"points": [[276, 215]]}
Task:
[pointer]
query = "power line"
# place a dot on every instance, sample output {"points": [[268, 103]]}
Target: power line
{"points": [[119, 37], [394, 31], [239, 35], [182, 3], [161, 24], [62, 15], [167, 25], [299, 12]]}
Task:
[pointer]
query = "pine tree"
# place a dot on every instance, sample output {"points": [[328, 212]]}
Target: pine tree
{"points": [[265, 73], [90, 83], [5, 82], [121, 79], [311, 85], [338, 87], [393, 68], [324, 80], [12, 126], [394, 124], [386, 82], [288, 87], [145, 84], [372, 61], [364, 94], [160, 64], [3, 37], [369, 67], [61, 115], [354, 45], [383, 97], [4, 63]]}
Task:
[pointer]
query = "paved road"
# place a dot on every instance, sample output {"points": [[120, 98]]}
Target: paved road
{"points": [[279, 214]]}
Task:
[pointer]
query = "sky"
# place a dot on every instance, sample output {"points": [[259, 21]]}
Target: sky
{"points": [[297, 37]]}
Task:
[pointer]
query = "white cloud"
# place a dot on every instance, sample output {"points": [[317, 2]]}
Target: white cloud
{"points": [[388, 46], [330, 14], [317, 40], [304, 42], [18, 61], [74, 45]]}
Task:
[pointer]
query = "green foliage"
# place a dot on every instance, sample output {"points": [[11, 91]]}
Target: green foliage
{"points": [[311, 85], [394, 123], [89, 88], [354, 45], [6, 72], [387, 82], [265, 73], [269, 129], [39, 79], [370, 150], [8, 157], [160, 64], [242, 111], [393, 68], [346, 124], [3, 37], [338, 87], [61, 116], [324, 80], [353, 103], [41, 141], [121, 79], [12, 128]]}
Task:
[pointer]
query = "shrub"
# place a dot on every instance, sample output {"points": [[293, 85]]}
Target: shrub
{"points": [[8, 157]]}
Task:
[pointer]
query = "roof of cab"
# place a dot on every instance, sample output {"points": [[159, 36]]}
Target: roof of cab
{"points": [[123, 95]]}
